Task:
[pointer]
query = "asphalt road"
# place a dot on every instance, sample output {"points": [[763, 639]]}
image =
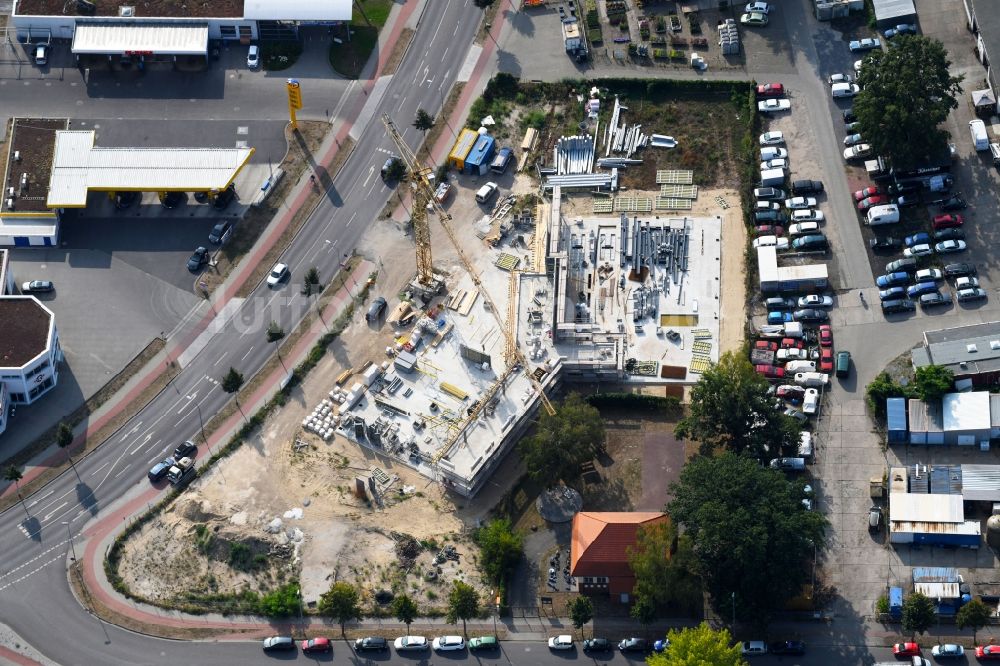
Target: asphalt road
{"points": [[34, 595]]}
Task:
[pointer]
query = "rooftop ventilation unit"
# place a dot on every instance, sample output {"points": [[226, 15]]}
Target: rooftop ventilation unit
{"points": [[126, 12], [972, 349]]}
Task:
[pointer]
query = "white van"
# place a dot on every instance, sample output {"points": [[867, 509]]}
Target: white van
{"points": [[772, 177], [806, 445], [883, 215], [486, 192], [844, 89], [978, 130], [995, 152]]}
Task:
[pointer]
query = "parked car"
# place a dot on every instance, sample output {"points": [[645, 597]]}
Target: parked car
{"points": [[186, 449], [198, 259], [852, 139], [901, 29], [825, 335], [866, 44], [774, 105], [875, 200], [754, 19], [866, 192], [763, 8], [774, 163], [765, 345], [410, 643], [892, 279], [633, 645], [891, 293], [37, 287], [906, 650], [277, 275], [791, 354], [160, 469], [769, 371], [857, 152], [990, 652], [950, 246], [917, 239], [803, 229], [921, 288], [371, 644], [810, 315], [220, 232], [807, 215], [816, 301], [770, 217], [946, 221], [966, 283], [874, 518], [761, 205], [810, 404], [922, 250], [907, 200], [800, 202], [848, 114], [484, 643], [908, 264], [753, 647], [897, 306], [934, 298], [955, 233], [884, 243], [928, 274], [839, 78], [596, 645], [969, 295], [768, 230], [778, 317], [947, 651], [812, 379], [807, 187], [768, 193], [790, 392], [787, 647], [779, 303], [317, 645], [791, 343], [278, 643], [839, 90], [561, 642], [843, 363], [770, 89], [224, 198], [449, 643], [960, 269], [952, 203], [253, 57], [772, 139], [770, 241]]}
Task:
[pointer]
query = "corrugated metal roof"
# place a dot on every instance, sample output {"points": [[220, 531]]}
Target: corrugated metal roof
{"points": [[35, 227], [935, 575], [158, 38], [969, 527], [966, 411], [925, 416], [297, 10], [981, 482], [946, 479], [976, 346], [767, 264], [937, 590], [803, 272], [995, 410], [78, 167], [895, 409], [910, 507], [890, 9]]}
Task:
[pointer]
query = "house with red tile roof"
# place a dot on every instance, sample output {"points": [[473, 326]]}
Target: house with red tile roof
{"points": [[599, 550]]}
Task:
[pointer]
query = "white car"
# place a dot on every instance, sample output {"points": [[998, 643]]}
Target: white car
{"points": [[761, 7], [771, 153], [776, 163], [277, 275], [866, 44], [962, 282], [754, 19], [810, 403], [766, 205], [410, 643], [771, 241], [928, 274], [852, 139], [857, 152], [815, 301], [448, 643], [772, 139], [857, 65], [800, 202], [812, 379], [845, 89], [807, 215], [947, 650], [563, 642], [922, 250], [803, 229], [840, 78], [792, 354], [253, 57], [772, 105]]}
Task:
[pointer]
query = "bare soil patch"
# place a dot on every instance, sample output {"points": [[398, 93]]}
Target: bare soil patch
{"points": [[398, 50]]}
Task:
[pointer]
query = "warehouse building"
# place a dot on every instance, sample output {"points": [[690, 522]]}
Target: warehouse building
{"points": [[165, 32], [983, 20], [962, 419], [920, 514], [971, 352], [776, 279], [890, 13], [29, 352]]}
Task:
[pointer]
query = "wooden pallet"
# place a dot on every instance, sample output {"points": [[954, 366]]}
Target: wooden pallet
{"points": [[679, 191], [453, 390], [701, 333], [675, 177], [699, 365], [701, 347], [507, 262], [603, 205], [633, 204], [670, 203]]}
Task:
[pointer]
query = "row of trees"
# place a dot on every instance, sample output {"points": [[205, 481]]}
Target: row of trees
{"points": [[343, 603]]}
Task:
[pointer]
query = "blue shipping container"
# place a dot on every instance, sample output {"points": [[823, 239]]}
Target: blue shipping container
{"points": [[895, 411]]}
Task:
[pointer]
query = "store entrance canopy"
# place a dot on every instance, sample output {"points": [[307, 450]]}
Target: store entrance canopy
{"points": [[148, 39]]}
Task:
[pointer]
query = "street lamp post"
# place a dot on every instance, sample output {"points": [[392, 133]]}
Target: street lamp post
{"points": [[734, 611], [70, 533]]}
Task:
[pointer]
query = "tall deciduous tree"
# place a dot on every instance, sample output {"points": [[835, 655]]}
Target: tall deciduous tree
{"points": [[341, 602], [974, 615], [933, 381], [581, 611], [405, 610], [563, 442], [463, 604], [423, 121], [14, 475], [750, 533], [664, 567], [232, 382], [906, 94], [699, 646], [918, 613], [730, 408], [64, 438], [501, 548]]}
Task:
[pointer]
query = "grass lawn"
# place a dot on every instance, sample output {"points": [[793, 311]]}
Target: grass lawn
{"points": [[349, 57]]}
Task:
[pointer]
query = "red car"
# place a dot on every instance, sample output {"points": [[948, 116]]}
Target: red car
{"points": [[825, 336], [988, 652], [769, 230], [906, 650], [770, 90], [314, 645], [865, 193], [875, 200], [770, 371], [766, 345], [947, 221], [826, 359], [791, 343], [789, 392]]}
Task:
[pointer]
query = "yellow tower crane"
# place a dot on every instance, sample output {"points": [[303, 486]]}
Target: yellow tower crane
{"points": [[424, 195]]}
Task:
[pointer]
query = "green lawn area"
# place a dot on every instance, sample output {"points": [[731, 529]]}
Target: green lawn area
{"points": [[349, 58]]}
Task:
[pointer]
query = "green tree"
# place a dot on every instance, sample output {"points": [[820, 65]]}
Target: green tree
{"points": [[918, 613], [581, 611], [341, 602], [311, 281], [750, 533], [974, 615], [463, 604], [14, 475], [699, 646], [275, 332], [933, 381], [423, 121], [563, 442], [64, 438], [906, 95], [730, 408], [501, 548], [881, 388], [282, 602], [231, 384], [501, 86], [664, 566], [643, 610], [405, 610]]}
